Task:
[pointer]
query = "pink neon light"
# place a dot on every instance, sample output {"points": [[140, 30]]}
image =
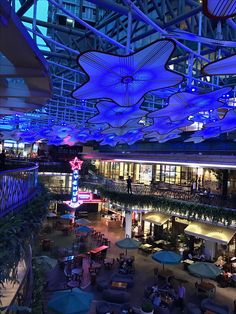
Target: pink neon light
{"points": [[76, 164]]}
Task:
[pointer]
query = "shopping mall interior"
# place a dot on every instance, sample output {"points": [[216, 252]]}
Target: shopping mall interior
{"points": [[117, 156]]}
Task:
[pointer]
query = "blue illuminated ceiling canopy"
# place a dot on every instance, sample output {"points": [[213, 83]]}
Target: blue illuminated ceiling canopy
{"points": [[128, 85], [115, 115], [219, 9], [126, 79], [225, 66], [183, 105]]}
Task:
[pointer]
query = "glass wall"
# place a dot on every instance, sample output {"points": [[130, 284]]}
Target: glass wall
{"points": [[165, 174]]}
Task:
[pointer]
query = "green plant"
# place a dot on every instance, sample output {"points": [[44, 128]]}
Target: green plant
{"points": [[182, 208], [17, 231], [147, 306]]}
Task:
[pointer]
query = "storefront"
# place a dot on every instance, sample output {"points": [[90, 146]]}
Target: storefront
{"points": [[168, 176], [156, 224], [216, 240]]}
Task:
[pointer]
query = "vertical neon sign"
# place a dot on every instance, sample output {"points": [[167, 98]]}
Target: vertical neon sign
{"points": [[75, 166]]}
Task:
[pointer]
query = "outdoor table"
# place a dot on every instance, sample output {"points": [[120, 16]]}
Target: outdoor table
{"points": [[73, 284], [101, 249], [120, 285], [166, 274], [158, 242], [147, 248], [166, 299], [187, 262], [77, 273], [207, 287], [96, 267], [108, 262], [156, 249]]}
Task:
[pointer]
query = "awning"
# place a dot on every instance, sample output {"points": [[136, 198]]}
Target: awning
{"points": [[156, 218], [210, 232]]}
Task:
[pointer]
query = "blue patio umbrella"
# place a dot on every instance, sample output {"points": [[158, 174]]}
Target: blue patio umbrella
{"points": [[74, 301], [204, 270], [128, 244], [167, 257], [83, 229], [67, 216]]}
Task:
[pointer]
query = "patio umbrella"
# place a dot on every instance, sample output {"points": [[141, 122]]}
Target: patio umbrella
{"points": [[74, 301], [167, 257], [204, 270], [67, 216], [83, 229], [46, 262], [128, 244], [83, 221]]}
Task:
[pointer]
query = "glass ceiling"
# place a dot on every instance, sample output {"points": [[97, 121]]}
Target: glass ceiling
{"points": [[66, 30]]}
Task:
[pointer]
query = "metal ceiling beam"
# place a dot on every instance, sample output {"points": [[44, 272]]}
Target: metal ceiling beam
{"points": [[25, 7], [53, 41], [58, 55], [86, 25], [64, 29]]}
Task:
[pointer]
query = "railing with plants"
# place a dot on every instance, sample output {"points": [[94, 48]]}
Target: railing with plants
{"points": [[189, 210], [18, 230], [17, 186]]}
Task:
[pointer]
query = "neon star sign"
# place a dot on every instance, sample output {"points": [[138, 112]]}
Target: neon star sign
{"points": [[76, 164]]}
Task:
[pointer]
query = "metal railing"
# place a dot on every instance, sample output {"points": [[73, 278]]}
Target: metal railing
{"points": [[121, 186], [18, 184]]}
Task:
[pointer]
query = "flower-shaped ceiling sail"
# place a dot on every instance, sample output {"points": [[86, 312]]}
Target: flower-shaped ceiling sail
{"points": [[115, 115], [62, 130], [111, 139], [29, 136], [162, 138], [208, 132], [164, 125], [219, 9], [227, 124], [55, 141], [225, 66], [129, 126], [204, 134], [195, 140], [125, 79], [9, 135], [183, 105]]}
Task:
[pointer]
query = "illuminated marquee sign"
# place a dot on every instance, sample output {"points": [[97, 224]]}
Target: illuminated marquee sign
{"points": [[75, 166], [87, 197]]}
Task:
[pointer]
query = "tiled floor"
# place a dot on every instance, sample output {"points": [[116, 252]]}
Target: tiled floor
{"points": [[144, 274]]}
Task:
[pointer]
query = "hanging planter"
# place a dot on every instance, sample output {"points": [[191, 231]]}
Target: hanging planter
{"points": [[184, 209]]}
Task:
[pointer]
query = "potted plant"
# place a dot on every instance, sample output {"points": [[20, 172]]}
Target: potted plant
{"points": [[147, 307]]}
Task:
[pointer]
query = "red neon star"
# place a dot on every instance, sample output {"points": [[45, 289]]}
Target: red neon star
{"points": [[76, 164]]}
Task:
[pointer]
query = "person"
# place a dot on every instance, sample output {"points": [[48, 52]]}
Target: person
{"points": [[181, 295], [155, 288], [129, 187], [2, 159], [156, 300]]}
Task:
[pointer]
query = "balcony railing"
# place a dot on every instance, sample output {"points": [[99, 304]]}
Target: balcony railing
{"points": [[18, 184], [182, 195]]}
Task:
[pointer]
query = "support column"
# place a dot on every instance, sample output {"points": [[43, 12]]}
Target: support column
{"points": [[128, 223], [209, 250], [225, 176]]}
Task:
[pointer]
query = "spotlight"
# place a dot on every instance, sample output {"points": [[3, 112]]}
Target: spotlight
{"points": [[193, 89]]}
